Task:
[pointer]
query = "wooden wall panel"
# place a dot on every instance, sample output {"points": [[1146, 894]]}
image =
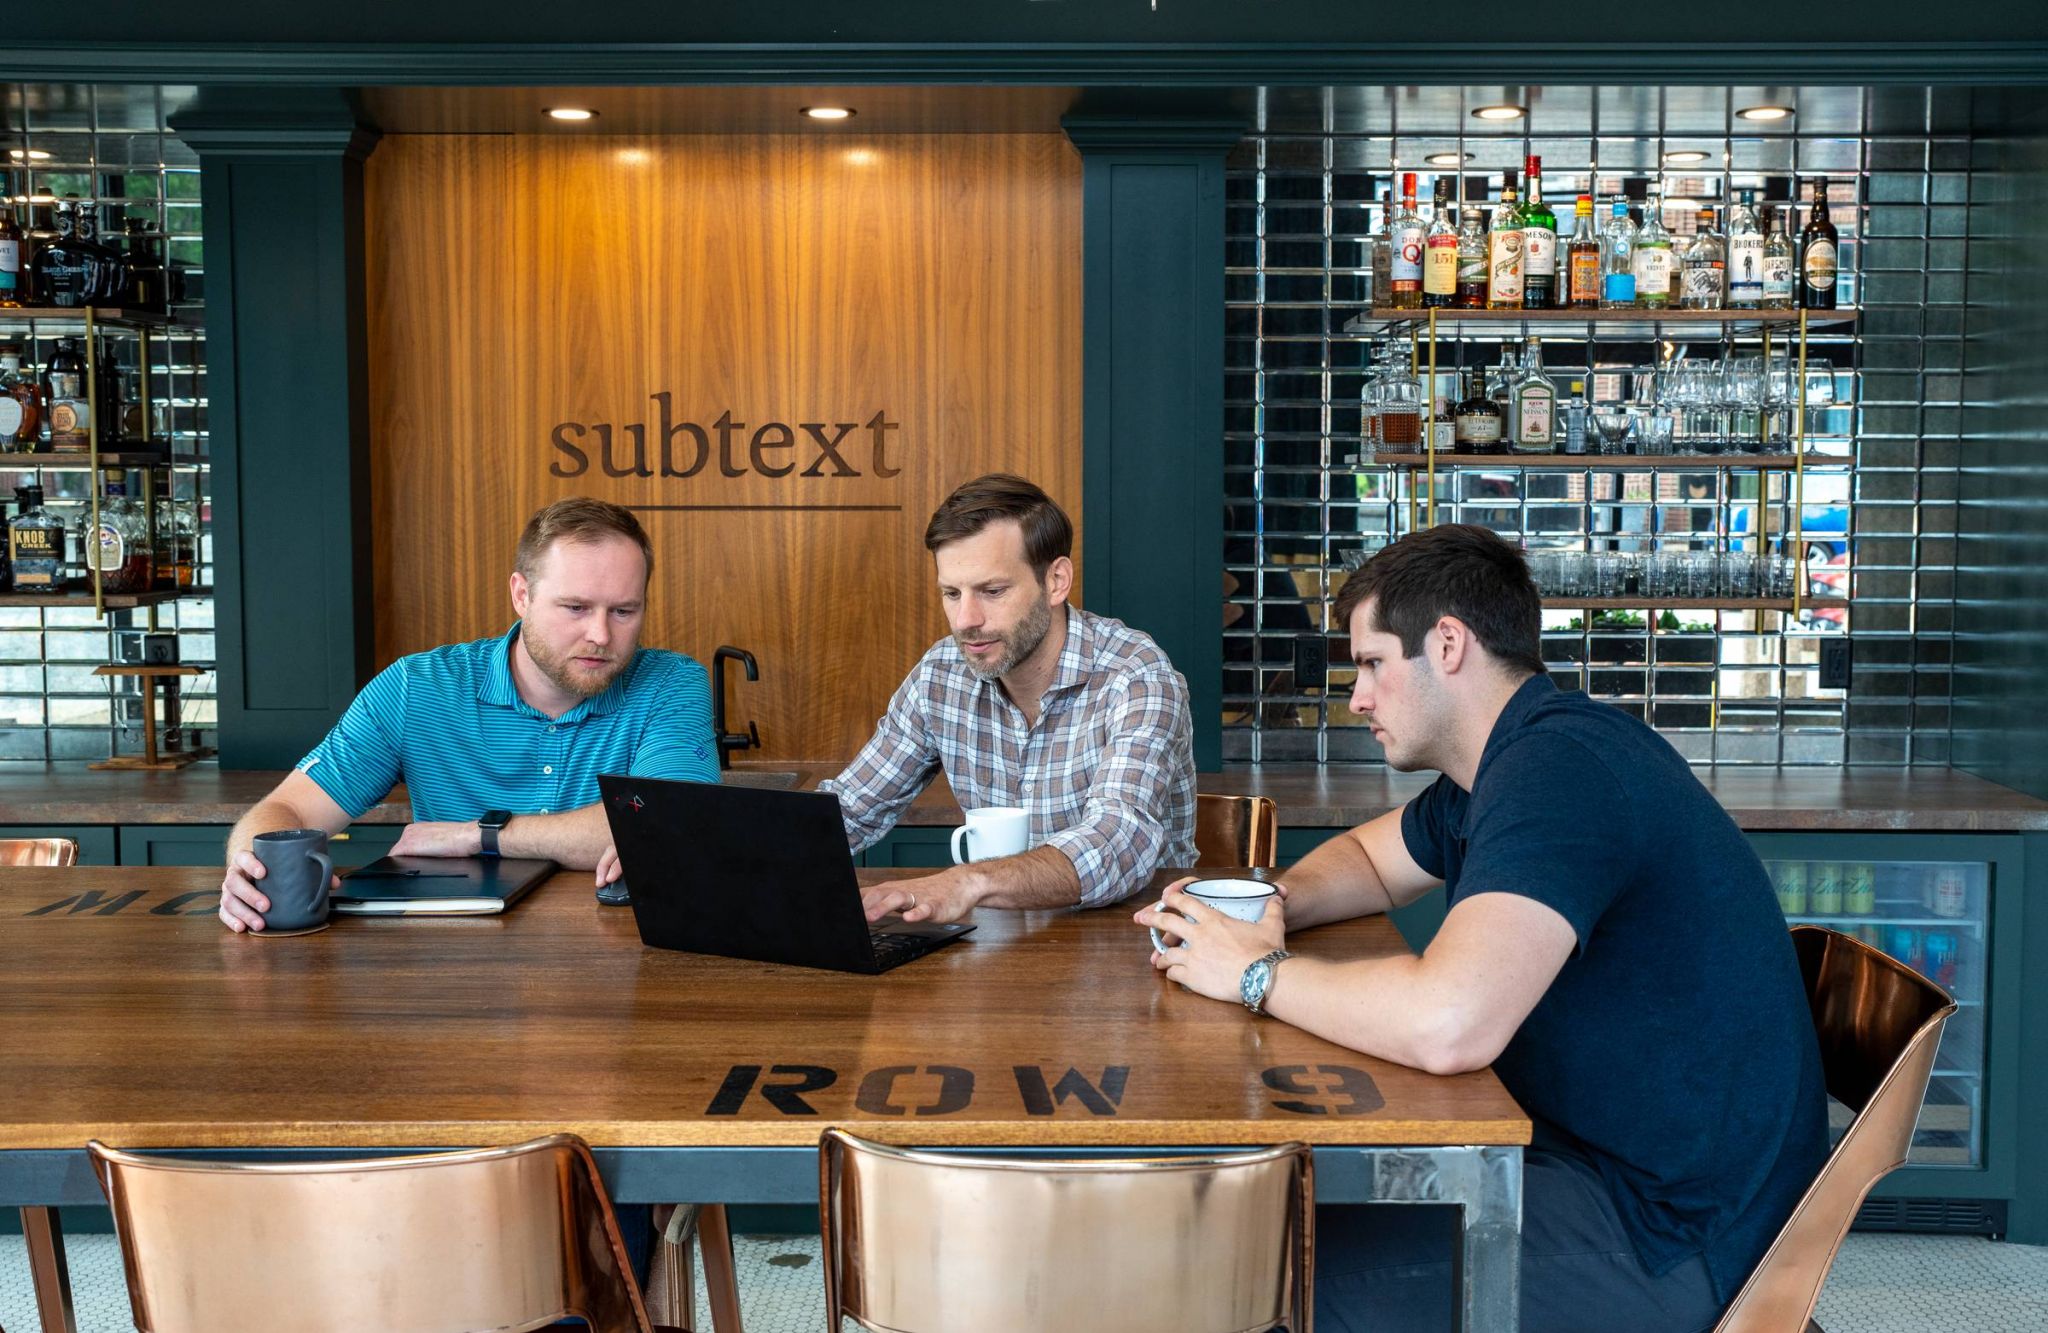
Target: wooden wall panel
{"points": [[520, 282]]}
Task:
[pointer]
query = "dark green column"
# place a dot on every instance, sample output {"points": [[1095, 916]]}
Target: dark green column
{"points": [[281, 178], [1152, 391]]}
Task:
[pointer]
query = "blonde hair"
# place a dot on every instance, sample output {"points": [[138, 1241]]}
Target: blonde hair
{"points": [[578, 519]]}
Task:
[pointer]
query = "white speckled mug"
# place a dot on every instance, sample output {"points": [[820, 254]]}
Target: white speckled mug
{"points": [[1244, 899]]}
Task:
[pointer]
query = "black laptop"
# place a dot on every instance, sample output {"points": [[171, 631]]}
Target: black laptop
{"points": [[745, 872]]}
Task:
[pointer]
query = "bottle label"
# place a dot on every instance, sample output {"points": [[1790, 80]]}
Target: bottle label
{"points": [[37, 555], [1585, 276], [1746, 267], [1532, 419], [70, 422], [1778, 277], [1820, 265], [107, 552], [1619, 289], [1504, 267], [1539, 252], [1440, 266], [1471, 270], [1443, 436], [11, 417], [1653, 270], [1479, 428], [10, 265], [1406, 260], [1702, 285]]}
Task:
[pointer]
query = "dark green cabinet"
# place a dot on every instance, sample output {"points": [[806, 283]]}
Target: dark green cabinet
{"points": [[202, 844]]}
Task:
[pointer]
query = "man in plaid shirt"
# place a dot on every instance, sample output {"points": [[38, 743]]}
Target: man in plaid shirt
{"points": [[1030, 702]]}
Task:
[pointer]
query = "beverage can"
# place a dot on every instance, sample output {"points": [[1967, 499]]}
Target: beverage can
{"points": [[1791, 881], [1903, 943], [1951, 892], [1824, 889], [1939, 958], [1859, 891]]}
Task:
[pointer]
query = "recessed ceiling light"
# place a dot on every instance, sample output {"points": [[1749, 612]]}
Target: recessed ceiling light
{"points": [[1764, 112], [571, 113], [828, 112], [1447, 159], [30, 154], [1504, 111], [1685, 158]]}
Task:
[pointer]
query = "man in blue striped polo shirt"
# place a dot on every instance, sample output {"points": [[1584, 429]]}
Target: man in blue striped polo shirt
{"points": [[519, 725]]}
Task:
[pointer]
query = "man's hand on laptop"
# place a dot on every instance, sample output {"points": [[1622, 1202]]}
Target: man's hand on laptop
{"points": [[947, 896], [440, 839]]}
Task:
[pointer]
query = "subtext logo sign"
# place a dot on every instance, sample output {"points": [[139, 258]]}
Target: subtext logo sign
{"points": [[665, 447]]}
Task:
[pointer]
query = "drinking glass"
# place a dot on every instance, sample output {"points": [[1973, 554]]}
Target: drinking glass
{"points": [[1614, 424], [1742, 399], [1702, 574], [1574, 573], [1400, 402], [1781, 391], [1654, 431]]}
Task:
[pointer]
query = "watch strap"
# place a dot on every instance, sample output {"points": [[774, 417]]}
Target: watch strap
{"points": [[489, 825], [1258, 979]]}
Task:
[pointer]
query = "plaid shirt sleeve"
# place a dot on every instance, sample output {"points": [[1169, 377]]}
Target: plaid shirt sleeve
{"points": [[897, 763], [1123, 830]]}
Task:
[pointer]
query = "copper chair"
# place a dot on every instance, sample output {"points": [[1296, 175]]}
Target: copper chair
{"points": [[38, 852], [924, 1242], [1880, 1024], [495, 1238], [1235, 830]]}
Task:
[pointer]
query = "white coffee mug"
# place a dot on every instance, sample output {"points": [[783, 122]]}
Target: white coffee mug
{"points": [[1244, 899], [990, 832]]}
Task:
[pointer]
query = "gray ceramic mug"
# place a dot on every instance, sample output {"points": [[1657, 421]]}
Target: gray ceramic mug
{"points": [[296, 871]]}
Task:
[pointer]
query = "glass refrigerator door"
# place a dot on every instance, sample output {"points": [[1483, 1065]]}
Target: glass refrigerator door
{"points": [[1932, 916]]}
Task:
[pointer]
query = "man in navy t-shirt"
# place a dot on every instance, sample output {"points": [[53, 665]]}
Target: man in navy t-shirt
{"points": [[1612, 949]]}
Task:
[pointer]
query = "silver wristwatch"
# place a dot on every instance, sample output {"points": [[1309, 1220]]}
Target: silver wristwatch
{"points": [[1258, 979]]}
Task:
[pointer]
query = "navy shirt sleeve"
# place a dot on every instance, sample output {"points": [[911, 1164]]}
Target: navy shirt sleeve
{"points": [[1550, 821], [1426, 824], [361, 759]]}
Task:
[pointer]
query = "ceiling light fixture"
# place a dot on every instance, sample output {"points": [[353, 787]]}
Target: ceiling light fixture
{"points": [[28, 154], [1685, 158], [1505, 111], [571, 113], [828, 112], [1764, 112], [1447, 159]]}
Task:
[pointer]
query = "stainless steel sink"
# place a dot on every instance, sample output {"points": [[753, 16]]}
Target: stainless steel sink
{"points": [[779, 779]]}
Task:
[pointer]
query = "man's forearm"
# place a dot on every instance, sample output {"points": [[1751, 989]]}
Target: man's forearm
{"points": [[269, 815], [1042, 877], [1392, 1008], [1335, 882], [573, 838]]}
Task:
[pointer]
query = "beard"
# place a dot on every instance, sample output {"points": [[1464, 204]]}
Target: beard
{"points": [[1019, 643], [566, 676]]}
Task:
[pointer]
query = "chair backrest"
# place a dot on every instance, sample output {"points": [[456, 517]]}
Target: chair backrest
{"points": [[1879, 1024], [923, 1242], [38, 852], [504, 1238], [1235, 830]]}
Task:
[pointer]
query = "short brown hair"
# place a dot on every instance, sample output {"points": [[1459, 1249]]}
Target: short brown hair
{"points": [[578, 519], [1048, 534], [1453, 569]]}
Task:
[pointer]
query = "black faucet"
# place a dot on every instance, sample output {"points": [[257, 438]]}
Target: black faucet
{"points": [[728, 741]]}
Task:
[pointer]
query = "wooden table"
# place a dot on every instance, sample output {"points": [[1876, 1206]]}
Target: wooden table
{"points": [[131, 1016]]}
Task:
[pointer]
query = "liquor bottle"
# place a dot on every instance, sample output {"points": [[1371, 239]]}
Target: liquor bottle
{"points": [[1440, 250], [1443, 433], [61, 272], [1573, 417], [1745, 255], [1380, 243], [1477, 419], [1706, 266], [70, 413], [118, 548], [1653, 260], [1582, 259], [1818, 255], [21, 402], [1502, 391], [13, 259], [35, 544], [1535, 410], [1504, 252], [1780, 260], [1618, 260], [1539, 244], [143, 259], [1406, 234], [6, 565], [108, 279], [1471, 262]]}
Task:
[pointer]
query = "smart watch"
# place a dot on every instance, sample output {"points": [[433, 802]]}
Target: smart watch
{"points": [[491, 821], [1258, 979]]}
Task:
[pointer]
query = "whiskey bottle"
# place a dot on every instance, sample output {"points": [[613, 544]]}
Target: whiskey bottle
{"points": [[62, 272], [1471, 293], [144, 261], [1582, 259], [118, 548], [21, 402], [1476, 421], [108, 279], [1819, 255], [1381, 258], [35, 544], [1440, 250], [64, 393], [13, 259], [1539, 244], [1405, 234], [1504, 252]]}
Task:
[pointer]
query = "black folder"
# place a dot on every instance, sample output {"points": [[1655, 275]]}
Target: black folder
{"points": [[438, 885]]}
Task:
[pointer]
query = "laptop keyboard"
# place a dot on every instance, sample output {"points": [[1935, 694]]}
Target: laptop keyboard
{"points": [[892, 947]]}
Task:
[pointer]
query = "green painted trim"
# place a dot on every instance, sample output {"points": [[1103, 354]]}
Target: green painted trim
{"points": [[1183, 64]]}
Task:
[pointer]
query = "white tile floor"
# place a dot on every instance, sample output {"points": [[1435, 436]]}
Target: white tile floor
{"points": [[1881, 1284]]}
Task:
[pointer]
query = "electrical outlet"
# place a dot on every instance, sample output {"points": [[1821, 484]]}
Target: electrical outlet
{"points": [[1311, 662], [1834, 664]]}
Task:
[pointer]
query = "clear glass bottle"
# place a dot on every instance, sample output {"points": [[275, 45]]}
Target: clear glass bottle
{"points": [[1502, 390], [1582, 259], [1471, 261], [1406, 234], [35, 545], [1706, 266], [1617, 260], [1745, 254], [21, 402], [119, 548], [1539, 244], [1380, 254], [1504, 252], [1781, 262], [1535, 406], [70, 411], [1653, 260], [1440, 250], [1572, 432]]}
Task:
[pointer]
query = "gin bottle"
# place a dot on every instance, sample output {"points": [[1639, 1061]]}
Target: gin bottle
{"points": [[1745, 255]]}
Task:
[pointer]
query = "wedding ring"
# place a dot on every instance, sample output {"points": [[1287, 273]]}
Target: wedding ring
{"points": [[913, 904]]}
